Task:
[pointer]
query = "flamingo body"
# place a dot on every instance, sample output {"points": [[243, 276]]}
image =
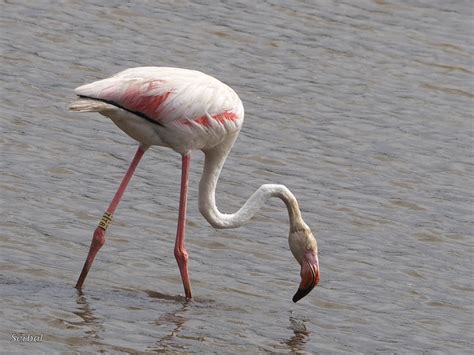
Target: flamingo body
{"points": [[186, 110], [181, 109]]}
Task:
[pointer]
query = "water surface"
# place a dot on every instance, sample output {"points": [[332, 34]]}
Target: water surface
{"points": [[363, 109]]}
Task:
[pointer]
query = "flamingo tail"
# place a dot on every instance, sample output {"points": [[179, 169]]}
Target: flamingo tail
{"points": [[88, 105]]}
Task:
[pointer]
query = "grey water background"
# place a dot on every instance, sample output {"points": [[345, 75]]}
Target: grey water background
{"points": [[362, 108]]}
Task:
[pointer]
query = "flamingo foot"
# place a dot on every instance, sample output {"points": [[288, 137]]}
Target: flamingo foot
{"points": [[182, 259], [98, 240]]}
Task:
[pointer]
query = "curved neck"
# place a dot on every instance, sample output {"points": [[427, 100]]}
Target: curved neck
{"points": [[214, 160]]}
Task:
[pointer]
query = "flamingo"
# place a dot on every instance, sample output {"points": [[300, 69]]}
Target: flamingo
{"points": [[187, 110]]}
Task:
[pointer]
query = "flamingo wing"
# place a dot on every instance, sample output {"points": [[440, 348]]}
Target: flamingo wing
{"points": [[164, 95], [142, 96]]}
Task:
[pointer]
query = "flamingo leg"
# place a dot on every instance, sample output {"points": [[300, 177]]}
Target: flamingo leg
{"points": [[180, 252], [98, 240]]}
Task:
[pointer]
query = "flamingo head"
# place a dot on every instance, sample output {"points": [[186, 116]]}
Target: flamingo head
{"points": [[304, 247]]}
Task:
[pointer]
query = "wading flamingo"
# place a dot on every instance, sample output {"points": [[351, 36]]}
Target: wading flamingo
{"points": [[186, 110]]}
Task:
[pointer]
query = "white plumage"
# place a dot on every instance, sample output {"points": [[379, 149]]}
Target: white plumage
{"points": [[175, 99]]}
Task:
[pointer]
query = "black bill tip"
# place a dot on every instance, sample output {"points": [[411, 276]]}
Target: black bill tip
{"points": [[301, 293]]}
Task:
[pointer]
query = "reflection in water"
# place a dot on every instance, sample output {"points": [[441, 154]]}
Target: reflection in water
{"points": [[164, 296], [85, 312], [173, 318], [177, 321], [301, 335]]}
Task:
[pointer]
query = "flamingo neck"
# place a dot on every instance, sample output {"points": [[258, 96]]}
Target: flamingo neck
{"points": [[214, 160]]}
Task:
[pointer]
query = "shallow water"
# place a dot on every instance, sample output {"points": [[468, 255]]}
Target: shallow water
{"points": [[363, 109]]}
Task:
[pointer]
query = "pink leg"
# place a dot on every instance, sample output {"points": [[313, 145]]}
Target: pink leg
{"points": [[179, 249], [98, 240]]}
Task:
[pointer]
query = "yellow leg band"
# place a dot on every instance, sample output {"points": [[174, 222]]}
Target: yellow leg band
{"points": [[105, 221]]}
